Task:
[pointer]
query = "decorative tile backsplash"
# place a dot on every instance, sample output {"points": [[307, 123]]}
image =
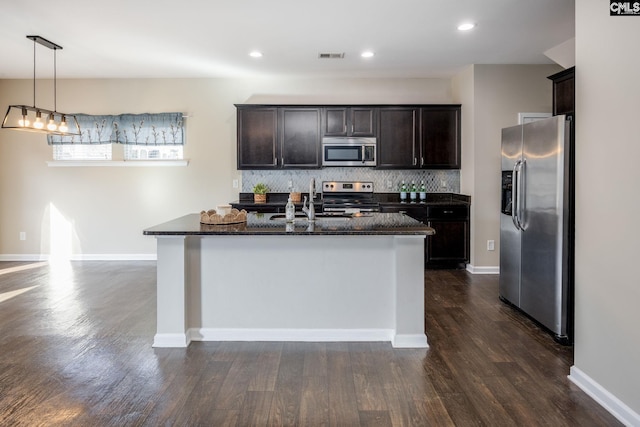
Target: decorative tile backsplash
{"points": [[384, 181]]}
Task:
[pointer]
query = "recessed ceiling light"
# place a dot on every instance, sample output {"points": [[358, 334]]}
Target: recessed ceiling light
{"points": [[466, 26], [255, 54], [367, 54]]}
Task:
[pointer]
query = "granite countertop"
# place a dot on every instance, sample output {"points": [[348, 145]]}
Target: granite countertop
{"points": [[261, 224]]}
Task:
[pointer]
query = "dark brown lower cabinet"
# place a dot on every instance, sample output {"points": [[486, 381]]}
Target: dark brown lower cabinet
{"points": [[450, 246]]}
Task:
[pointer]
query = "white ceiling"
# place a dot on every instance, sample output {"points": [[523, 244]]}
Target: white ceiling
{"points": [[212, 38]]}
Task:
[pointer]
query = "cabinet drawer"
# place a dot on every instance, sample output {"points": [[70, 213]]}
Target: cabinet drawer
{"points": [[448, 212]]}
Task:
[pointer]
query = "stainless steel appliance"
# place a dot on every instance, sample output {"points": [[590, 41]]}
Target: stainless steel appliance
{"points": [[536, 223], [348, 151], [348, 196]]}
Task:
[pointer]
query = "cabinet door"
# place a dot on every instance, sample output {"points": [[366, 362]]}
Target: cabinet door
{"points": [[300, 137], [257, 138], [563, 92], [440, 148], [335, 121], [449, 245], [349, 121], [398, 138], [362, 121]]}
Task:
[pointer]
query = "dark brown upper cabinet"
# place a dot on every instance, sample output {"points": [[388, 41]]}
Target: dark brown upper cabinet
{"points": [[564, 92], [349, 121], [278, 137], [398, 137], [257, 138], [419, 137], [300, 137], [440, 136], [408, 136]]}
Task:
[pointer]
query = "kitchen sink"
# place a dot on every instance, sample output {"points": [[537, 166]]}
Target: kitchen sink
{"points": [[323, 216], [283, 217], [333, 216]]}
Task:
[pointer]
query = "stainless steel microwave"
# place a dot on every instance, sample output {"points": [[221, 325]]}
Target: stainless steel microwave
{"points": [[348, 151]]}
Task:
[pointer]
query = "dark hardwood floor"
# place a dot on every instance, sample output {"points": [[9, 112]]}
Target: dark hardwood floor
{"points": [[76, 351]]}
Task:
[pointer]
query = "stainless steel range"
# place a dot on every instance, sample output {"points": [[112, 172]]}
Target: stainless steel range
{"points": [[348, 197]]}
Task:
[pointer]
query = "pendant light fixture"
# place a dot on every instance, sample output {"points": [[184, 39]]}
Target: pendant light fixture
{"points": [[36, 119]]}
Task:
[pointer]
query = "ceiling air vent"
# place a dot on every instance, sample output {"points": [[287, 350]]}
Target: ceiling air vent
{"points": [[331, 55]]}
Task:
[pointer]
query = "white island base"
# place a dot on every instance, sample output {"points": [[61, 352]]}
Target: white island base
{"points": [[290, 288]]}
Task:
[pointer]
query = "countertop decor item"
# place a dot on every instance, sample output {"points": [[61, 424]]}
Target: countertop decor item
{"points": [[219, 218], [260, 193], [296, 196], [36, 119]]}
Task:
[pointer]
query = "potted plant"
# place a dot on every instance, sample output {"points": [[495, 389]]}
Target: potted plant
{"points": [[260, 193]]}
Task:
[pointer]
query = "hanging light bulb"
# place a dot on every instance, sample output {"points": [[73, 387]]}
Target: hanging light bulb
{"points": [[63, 125], [52, 123], [38, 124], [24, 122]]}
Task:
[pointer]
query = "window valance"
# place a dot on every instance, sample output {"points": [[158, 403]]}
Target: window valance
{"points": [[132, 129]]}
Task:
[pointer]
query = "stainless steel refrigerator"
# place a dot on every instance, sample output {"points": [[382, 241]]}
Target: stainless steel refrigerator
{"points": [[536, 223]]}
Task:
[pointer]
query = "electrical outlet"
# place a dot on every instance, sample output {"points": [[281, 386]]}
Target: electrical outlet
{"points": [[491, 245], [235, 183], [443, 183], [23, 235], [389, 184]]}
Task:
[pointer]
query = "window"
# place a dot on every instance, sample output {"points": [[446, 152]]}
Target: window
{"points": [[82, 152], [151, 152], [158, 136]]}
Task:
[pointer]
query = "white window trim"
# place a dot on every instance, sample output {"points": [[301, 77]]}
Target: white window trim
{"points": [[117, 163]]}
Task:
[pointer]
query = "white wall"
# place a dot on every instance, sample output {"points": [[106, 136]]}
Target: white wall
{"points": [[463, 93], [607, 341], [491, 97], [107, 208]]}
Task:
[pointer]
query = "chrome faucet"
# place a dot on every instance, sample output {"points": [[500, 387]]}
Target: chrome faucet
{"points": [[310, 210]]}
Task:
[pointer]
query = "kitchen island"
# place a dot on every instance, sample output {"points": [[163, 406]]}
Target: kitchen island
{"points": [[354, 278]]}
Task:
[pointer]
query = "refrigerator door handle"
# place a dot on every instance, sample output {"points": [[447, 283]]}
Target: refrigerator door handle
{"points": [[515, 203], [522, 195]]}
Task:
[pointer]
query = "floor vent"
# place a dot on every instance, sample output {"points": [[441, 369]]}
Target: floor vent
{"points": [[331, 55]]}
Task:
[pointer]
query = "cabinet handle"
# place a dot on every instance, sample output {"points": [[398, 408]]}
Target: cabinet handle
{"points": [[282, 162], [447, 212], [421, 161], [275, 161], [352, 129], [415, 161]]}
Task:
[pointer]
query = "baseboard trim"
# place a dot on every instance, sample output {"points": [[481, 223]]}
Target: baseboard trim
{"points": [[303, 335], [482, 270], [114, 257], [604, 397], [80, 257], [23, 257], [300, 335], [171, 340], [410, 341]]}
